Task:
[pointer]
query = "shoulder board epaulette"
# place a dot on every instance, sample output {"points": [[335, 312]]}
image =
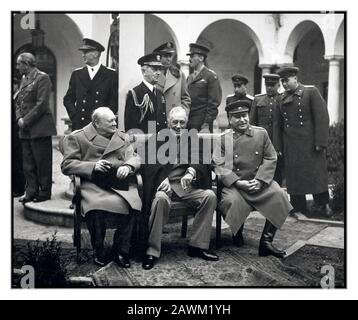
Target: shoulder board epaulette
{"points": [[78, 68], [256, 127], [230, 95], [250, 97], [225, 132], [260, 95], [309, 86]]}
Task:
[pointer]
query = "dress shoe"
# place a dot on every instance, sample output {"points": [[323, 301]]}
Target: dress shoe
{"points": [[99, 261], [201, 253], [148, 262], [41, 199], [25, 199], [267, 249], [123, 260]]}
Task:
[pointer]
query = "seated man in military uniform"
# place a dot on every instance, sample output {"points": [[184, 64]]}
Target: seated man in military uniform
{"points": [[246, 161]]}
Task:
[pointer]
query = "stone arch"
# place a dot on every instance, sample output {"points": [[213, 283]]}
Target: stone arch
{"points": [[306, 49], [298, 33], [63, 38], [234, 47], [339, 41], [157, 32]]}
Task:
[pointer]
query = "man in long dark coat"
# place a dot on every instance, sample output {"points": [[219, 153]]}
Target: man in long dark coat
{"points": [[301, 134], [246, 161], [90, 87]]}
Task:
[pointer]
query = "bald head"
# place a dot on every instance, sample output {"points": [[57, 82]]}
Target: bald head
{"points": [[104, 121]]}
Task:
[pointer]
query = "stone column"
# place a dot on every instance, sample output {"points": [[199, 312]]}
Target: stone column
{"points": [[101, 31], [131, 48], [266, 68], [333, 88]]}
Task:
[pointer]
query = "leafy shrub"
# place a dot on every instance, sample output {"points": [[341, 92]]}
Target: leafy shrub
{"points": [[45, 258], [336, 164]]}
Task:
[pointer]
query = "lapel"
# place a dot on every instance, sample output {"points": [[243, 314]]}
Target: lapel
{"points": [[29, 79], [286, 98], [84, 77], [200, 75], [116, 142], [169, 81], [161, 82], [94, 137]]}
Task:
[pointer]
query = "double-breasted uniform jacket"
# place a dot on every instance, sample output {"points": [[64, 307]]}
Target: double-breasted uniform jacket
{"points": [[32, 105], [247, 156], [143, 107], [85, 95], [205, 93], [175, 89], [302, 123], [82, 149], [263, 111]]}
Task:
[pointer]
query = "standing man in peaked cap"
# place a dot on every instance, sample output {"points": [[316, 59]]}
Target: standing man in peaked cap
{"points": [[239, 82], [301, 134], [263, 111], [204, 89], [172, 81], [90, 87]]}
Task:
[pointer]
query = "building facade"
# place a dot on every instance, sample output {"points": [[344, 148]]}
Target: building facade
{"points": [[249, 43]]}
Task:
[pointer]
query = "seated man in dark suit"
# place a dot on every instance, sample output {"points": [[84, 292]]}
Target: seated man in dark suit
{"points": [[188, 182], [103, 158]]}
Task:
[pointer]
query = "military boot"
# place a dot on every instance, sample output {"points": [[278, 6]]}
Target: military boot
{"points": [[266, 248]]}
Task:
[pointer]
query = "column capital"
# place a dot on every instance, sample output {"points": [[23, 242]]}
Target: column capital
{"points": [[334, 57], [265, 65]]}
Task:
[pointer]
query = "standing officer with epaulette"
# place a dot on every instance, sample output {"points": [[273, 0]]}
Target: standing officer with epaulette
{"points": [[239, 82], [262, 113], [90, 87], [204, 89], [301, 133]]}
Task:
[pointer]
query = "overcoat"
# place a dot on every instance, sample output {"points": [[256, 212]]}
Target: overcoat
{"points": [[175, 90], [302, 123], [205, 93], [85, 95], [82, 149], [245, 157], [32, 105]]}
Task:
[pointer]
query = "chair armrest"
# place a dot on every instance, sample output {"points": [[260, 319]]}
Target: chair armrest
{"points": [[76, 200]]}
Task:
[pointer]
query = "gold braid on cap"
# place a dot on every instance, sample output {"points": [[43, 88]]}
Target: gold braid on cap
{"points": [[144, 106]]}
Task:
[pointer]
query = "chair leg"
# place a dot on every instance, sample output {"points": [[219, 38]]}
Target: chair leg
{"points": [[184, 226], [77, 235], [218, 229]]}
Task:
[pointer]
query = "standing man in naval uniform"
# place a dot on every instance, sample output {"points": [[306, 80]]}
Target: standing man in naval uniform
{"points": [[204, 89], [90, 87], [239, 82], [262, 114], [301, 134]]}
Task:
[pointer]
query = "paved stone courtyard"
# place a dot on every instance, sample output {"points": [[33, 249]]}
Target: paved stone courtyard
{"points": [[309, 245]]}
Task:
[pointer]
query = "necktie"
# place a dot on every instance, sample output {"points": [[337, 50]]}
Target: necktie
{"points": [[92, 69], [154, 92]]}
